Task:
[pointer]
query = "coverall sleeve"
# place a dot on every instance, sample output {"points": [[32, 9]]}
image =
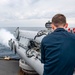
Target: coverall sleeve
{"points": [[42, 53]]}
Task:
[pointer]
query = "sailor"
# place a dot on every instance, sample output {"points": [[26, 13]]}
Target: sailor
{"points": [[58, 49]]}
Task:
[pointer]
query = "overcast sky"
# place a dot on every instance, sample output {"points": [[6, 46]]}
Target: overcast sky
{"points": [[29, 13]]}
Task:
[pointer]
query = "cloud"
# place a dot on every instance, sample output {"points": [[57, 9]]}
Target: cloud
{"points": [[3, 2], [32, 1], [27, 10]]}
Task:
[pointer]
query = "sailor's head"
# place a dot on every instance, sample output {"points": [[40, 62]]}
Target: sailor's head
{"points": [[59, 21]]}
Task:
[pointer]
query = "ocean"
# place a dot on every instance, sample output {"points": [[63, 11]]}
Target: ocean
{"points": [[4, 50]]}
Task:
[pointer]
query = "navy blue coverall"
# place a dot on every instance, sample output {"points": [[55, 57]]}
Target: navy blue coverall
{"points": [[58, 53]]}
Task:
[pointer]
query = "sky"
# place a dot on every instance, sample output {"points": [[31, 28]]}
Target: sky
{"points": [[34, 13]]}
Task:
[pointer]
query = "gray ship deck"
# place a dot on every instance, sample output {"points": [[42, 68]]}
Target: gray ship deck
{"points": [[9, 67]]}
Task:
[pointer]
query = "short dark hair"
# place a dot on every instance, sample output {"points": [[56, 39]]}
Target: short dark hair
{"points": [[59, 19]]}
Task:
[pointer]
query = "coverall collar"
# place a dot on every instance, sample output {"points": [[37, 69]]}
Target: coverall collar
{"points": [[59, 29]]}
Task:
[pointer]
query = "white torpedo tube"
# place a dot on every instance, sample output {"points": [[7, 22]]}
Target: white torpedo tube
{"points": [[27, 45]]}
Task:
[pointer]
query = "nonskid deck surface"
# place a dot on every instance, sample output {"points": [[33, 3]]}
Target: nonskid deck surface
{"points": [[9, 67]]}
